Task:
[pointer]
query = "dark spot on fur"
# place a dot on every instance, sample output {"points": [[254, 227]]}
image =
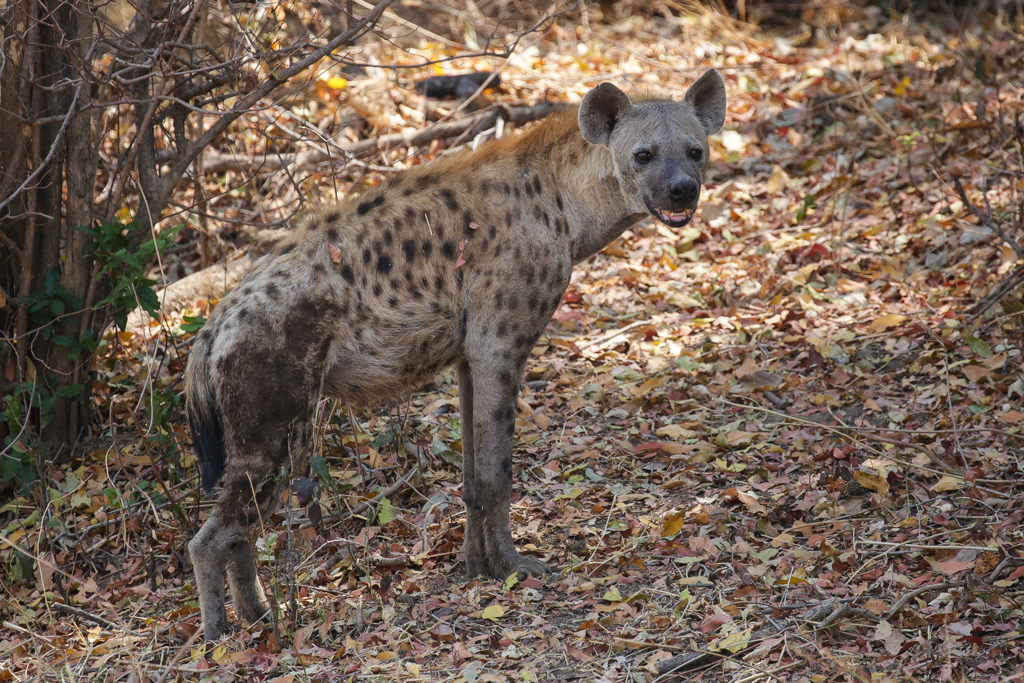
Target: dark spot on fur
{"points": [[383, 264], [502, 329], [346, 272], [388, 237], [287, 249], [332, 217], [492, 232], [273, 292], [428, 247], [332, 233], [377, 289], [392, 301], [536, 185], [438, 283], [367, 255], [448, 249], [558, 200], [516, 191], [370, 204], [319, 268], [409, 247], [435, 307]]}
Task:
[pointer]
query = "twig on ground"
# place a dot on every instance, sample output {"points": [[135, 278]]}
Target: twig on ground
{"points": [[177, 655], [987, 219], [894, 610], [82, 614]]}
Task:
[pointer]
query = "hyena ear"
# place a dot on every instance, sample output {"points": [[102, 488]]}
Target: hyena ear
{"points": [[707, 97], [600, 110]]}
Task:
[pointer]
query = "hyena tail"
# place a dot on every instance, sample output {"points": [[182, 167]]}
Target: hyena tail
{"points": [[204, 418]]}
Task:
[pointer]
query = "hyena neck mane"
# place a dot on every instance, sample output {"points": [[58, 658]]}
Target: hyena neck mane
{"points": [[552, 152]]}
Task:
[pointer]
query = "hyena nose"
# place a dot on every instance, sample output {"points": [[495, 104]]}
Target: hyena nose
{"points": [[683, 190]]}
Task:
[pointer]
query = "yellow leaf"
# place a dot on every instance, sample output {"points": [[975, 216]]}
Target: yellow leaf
{"points": [[219, 652], [886, 321], [675, 432], [511, 581], [734, 642], [412, 668], [337, 83], [493, 612], [778, 180], [948, 483], [529, 676], [386, 655], [650, 385], [872, 481], [612, 595], [673, 523]]}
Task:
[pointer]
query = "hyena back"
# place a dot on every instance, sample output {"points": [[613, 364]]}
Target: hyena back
{"points": [[458, 262]]}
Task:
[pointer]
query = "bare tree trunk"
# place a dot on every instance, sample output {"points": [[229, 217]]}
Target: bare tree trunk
{"points": [[78, 273]]}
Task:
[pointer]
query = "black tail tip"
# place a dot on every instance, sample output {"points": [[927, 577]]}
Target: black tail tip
{"points": [[208, 443]]}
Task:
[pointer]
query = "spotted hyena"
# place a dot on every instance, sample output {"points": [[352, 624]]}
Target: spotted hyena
{"points": [[459, 262]]}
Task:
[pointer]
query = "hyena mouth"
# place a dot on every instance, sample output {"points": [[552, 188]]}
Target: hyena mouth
{"points": [[675, 219]]}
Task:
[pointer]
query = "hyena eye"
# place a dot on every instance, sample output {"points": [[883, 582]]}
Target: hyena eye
{"points": [[696, 153], [643, 156]]}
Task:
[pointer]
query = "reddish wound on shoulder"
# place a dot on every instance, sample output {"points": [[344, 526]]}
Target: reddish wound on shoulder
{"points": [[335, 252]]}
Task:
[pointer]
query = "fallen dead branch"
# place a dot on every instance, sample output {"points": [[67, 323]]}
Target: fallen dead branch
{"points": [[218, 162], [88, 616]]}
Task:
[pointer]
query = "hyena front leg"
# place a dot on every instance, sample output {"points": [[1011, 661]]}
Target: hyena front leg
{"points": [[473, 547], [488, 479]]}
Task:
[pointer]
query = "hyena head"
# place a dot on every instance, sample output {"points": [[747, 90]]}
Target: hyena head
{"points": [[659, 147]]}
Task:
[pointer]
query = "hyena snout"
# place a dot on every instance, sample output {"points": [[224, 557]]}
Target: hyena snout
{"points": [[674, 202], [684, 192]]}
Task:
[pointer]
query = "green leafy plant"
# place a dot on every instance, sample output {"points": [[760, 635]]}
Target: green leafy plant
{"points": [[124, 266]]}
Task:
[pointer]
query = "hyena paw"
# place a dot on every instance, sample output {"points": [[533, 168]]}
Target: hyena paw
{"points": [[531, 566]]}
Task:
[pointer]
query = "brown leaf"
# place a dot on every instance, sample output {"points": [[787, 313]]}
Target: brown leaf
{"points": [[714, 620]]}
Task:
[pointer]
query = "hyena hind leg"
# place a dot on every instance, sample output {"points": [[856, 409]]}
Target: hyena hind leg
{"points": [[247, 595], [222, 548]]}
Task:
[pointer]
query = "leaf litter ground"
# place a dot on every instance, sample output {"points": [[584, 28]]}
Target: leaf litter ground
{"points": [[777, 436]]}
